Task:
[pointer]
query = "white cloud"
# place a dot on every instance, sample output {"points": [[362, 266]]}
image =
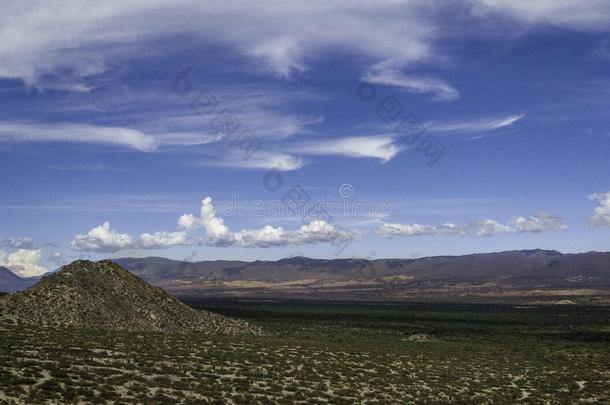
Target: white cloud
{"points": [[540, 223], [160, 240], [452, 229], [322, 231], [379, 147], [388, 230], [80, 133], [17, 243], [587, 15], [188, 222], [102, 239], [482, 228], [258, 159], [489, 227], [24, 262], [282, 36], [476, 125], [267, 236], [218, 234], [413, 83], [391, 230], [57, 258], [317, 231], [601, 214]]}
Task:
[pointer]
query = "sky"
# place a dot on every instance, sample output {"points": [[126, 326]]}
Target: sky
{"points": [[204, 130]]}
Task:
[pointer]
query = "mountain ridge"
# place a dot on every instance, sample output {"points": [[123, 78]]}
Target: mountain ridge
{"points": [[10, 281], [302, 277]]}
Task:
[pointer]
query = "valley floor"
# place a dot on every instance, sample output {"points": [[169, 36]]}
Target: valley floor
{"points": [[325, 353]]}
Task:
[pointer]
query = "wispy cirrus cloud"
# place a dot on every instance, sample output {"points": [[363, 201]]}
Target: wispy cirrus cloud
{"points": [[75, 133], [258, 160], [588, 15], [281, 37], [413, 83], [152, 203], [383, 147], [475, 125]]}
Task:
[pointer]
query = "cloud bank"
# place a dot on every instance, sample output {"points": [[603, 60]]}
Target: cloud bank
{"points": [[482, 228], [23, 262], [103, 239]]}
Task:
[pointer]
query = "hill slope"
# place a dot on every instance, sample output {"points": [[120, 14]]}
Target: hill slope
{"points": [[102, 295]]}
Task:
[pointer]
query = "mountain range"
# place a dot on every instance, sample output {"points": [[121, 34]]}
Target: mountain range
{"points": [[521, 275], [524, 275], [9, 281]]}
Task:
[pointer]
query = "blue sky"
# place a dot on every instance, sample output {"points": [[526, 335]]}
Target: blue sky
{"points": [[502, 108]]}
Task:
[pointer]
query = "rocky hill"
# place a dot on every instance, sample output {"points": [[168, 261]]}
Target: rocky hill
{"points": [[102, 295], [511, 274]]}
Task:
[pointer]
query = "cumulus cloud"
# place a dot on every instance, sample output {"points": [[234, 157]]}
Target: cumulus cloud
{"points": [[481, 228], [489, 227], [188, 222], [601, 214], [540, 223], [413, 84], [160, 240], [390, 230], [383, 148], [24, 262], [102, 239], [218, 234]]}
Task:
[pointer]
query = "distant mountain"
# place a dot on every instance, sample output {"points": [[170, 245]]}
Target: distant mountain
{"points": [[9, 281], [503, 274], [102, 295]]}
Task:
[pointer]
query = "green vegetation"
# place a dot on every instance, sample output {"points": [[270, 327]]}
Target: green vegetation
{"points": [[337, 353]]}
